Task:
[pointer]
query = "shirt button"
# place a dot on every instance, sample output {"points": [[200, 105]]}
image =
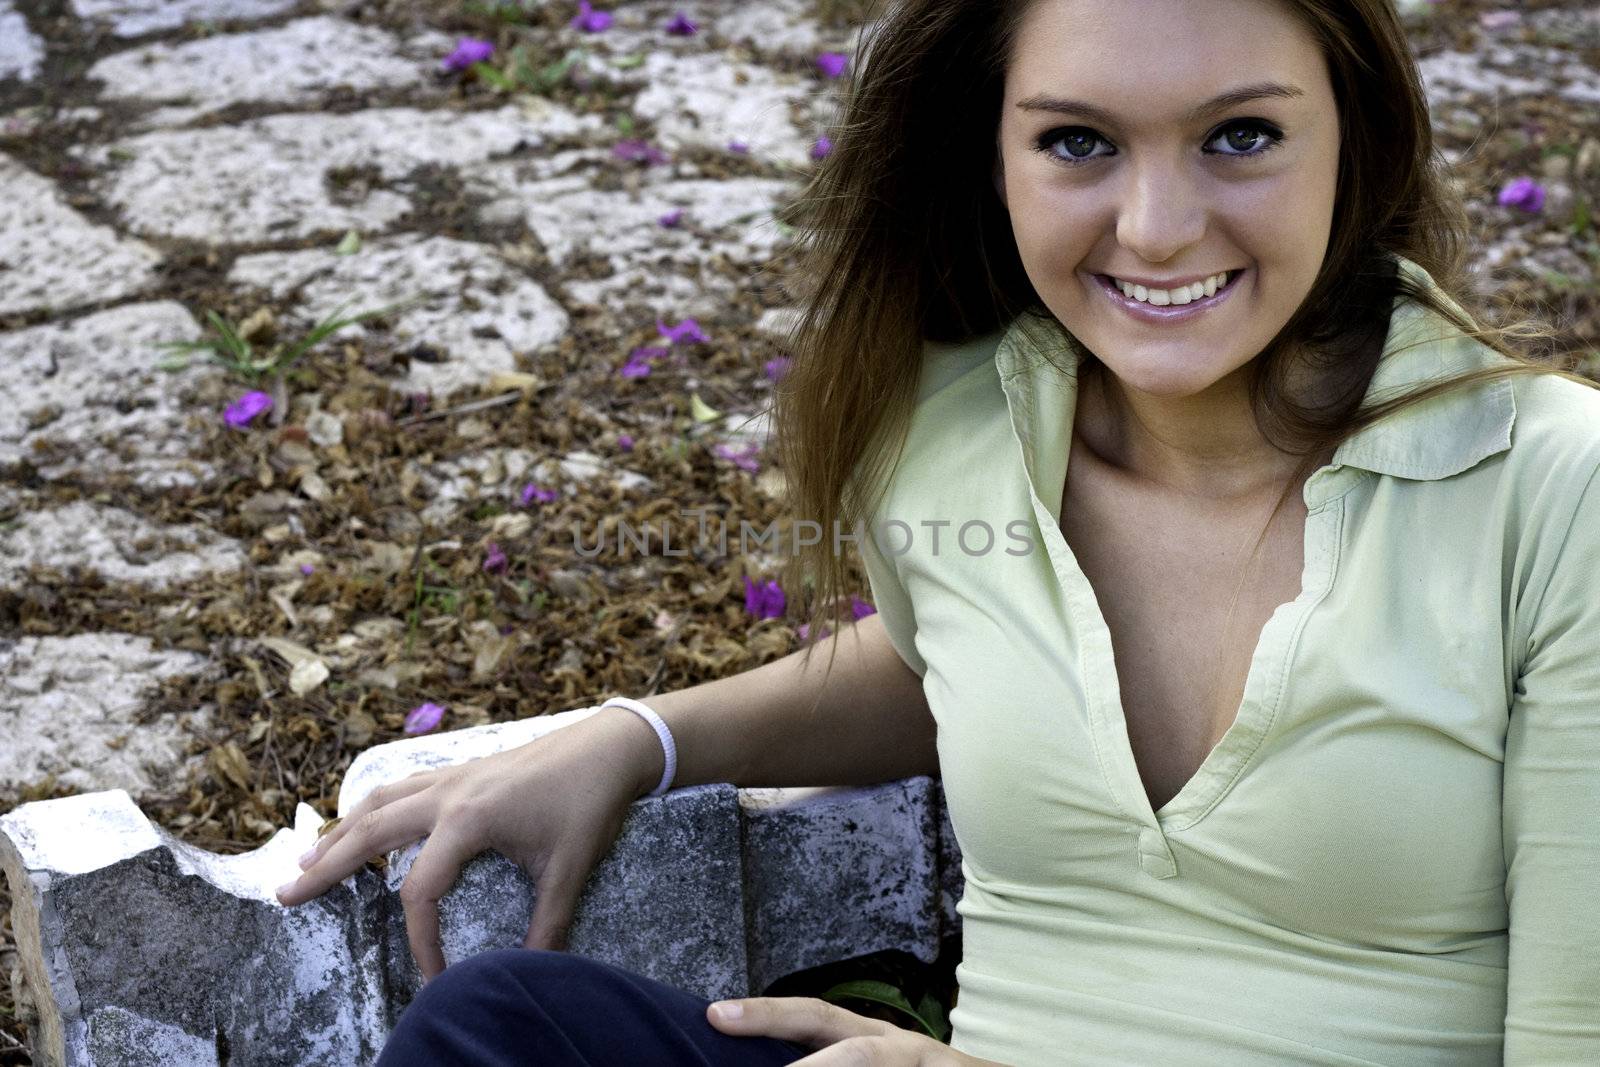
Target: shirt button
{"points": [[1155, 857]]}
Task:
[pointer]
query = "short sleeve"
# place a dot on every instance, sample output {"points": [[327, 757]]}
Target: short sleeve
{"points": [[889, 596], [1551, 812]]}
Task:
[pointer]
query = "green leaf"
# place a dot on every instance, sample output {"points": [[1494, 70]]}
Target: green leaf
{"points": [[329, 325], [932, 1012], [552, 74], [349, 244], [235, 346], [876, 992], [492, 76], [628, 62], [625, 125], [1582, 216]]}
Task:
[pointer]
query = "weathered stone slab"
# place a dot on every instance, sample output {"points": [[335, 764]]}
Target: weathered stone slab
{"points": [[836, 873], [67, 707], [86, 399], [477, 310], [51, 257], [21, 51], [661, 269], [132, 18], [716, 101], [152, 937], [269, 178], [297, 63], [711, 889], [114, 544]]}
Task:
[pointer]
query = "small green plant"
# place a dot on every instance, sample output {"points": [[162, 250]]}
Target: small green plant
{"points": [[928, 1015], [240, 357], [524, 71], [443, 599]]}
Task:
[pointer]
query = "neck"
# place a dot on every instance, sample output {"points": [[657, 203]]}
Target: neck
{"points": [[1206, 445]]}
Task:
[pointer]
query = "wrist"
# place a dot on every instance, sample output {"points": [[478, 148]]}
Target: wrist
{"points": [[647, 759]]}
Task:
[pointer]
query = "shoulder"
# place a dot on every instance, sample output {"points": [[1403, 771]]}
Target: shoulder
{"points": [[1555, 438]]}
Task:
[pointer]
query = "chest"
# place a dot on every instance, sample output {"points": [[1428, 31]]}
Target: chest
{"points": [[1185, 591]]}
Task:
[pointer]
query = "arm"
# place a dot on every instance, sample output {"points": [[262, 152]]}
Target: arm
{"points": [[756, 728], [1551, 809]]}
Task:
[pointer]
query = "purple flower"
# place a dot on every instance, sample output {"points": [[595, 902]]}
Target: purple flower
{"points": [[307, 569], [1524, 193], [639, 361], [739, 148], [672, 218], [764, 601], [686, 332], [423, 717], [744, 457], [777, 368], [589, 20], [680, 26], [625, 442], [823, 146], [469, 50], [832, 63], [243, 411], [804, 630], [860, 609], [635, 151], [531, 492], [494, 560]]}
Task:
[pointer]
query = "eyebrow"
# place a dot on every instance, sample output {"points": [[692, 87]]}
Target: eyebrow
{"points": [[1232, 98]]}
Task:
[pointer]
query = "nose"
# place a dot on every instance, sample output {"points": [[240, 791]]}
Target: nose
{"points": [[1163, 212]]}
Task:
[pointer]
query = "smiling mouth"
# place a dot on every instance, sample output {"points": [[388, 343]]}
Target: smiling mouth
{"points": [[1150, 310]]}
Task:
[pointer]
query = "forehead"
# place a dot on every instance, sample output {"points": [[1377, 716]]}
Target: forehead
{"points": [[1133, 47]]}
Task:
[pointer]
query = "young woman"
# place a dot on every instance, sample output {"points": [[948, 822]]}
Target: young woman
{"points": [[1267, 710]]}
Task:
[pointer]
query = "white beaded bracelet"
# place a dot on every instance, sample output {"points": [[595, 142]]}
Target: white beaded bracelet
{"points": [[662, 732]]}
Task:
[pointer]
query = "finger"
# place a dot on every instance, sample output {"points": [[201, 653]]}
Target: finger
{"points": [[807, 1020], [378, 832], [387, 793], [556, 902], [431, 876]]}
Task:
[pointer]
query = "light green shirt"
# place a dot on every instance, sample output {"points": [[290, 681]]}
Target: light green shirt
{"points": [[1391, 857]]}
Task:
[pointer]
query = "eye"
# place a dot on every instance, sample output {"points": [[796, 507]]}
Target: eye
{"points": [[1248, 137], [1243, 138]]}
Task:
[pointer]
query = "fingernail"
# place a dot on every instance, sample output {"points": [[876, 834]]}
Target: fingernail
{"points": [[284, 889], [728, 1009], [305, 860]]}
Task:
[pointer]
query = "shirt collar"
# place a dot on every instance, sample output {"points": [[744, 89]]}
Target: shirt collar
{"points": [[1432, 439]]}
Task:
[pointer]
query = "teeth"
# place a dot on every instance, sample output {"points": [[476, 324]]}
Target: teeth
{"points": [[1182, 295]]}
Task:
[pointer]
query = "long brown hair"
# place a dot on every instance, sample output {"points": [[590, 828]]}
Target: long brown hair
{"points": [[903, 238]]}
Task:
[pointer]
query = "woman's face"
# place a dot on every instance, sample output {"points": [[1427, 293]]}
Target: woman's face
{"points": [[1114, 163]]}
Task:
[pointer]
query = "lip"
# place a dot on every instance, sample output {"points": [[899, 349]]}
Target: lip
{"points": [[1172, 312]]}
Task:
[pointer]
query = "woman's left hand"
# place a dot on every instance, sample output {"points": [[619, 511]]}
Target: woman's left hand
{"points": [[844, 1038]]}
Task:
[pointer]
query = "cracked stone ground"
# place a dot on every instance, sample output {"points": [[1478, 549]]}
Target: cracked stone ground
{"points": [[274, 161]]}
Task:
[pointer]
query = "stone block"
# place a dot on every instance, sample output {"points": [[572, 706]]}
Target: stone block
{"points": [[137, 948], [133, 18], [21, 51], [51, 257], [294, 64]]}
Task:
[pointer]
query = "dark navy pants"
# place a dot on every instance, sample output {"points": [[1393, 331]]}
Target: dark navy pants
{"points": [[516, 1007]]}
